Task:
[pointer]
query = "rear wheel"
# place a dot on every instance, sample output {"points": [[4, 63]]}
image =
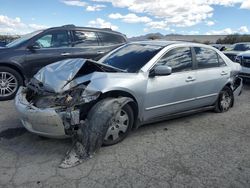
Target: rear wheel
{"points": [[225, 100], [10, 81]]}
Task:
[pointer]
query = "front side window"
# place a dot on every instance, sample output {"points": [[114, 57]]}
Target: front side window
{"points": [[57, 39], [111, 39], [85, 38], [179, 59], [206, 58], [132, 57]]}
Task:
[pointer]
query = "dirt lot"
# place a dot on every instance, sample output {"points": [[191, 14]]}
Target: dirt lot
{"points": [[202, 150]]}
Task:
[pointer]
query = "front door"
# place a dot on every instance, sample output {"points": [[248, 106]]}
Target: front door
{"points": [[50, 47], [173, 93]]}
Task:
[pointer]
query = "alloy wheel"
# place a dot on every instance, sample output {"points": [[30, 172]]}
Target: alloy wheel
{"points": [[8, 84]]}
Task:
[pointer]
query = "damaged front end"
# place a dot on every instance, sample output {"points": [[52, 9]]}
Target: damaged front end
{"points": [[51, 105], [54, 115]]}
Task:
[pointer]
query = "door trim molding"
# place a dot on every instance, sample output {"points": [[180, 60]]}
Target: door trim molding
{"points": [[182, 101]]}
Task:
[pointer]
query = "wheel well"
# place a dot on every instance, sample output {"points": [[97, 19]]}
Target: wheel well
{"points": [[14, 68], [133, 104], [230, 86]]}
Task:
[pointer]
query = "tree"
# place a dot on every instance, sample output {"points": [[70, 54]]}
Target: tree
{"points": [[231, 39], [154, 37], [7, 38]]}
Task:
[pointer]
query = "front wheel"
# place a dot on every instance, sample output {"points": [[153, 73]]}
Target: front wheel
{"points": [[10, 80], [225, 100], [119, 126]]}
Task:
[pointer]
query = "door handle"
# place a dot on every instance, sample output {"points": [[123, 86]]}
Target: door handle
{"points": [[100, 52], [223, 73], [65, 54], [190, 79]]}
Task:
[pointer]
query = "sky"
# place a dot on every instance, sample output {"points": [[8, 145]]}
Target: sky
{"points": [[131, 17]]}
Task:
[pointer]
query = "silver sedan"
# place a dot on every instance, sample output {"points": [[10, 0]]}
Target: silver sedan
{"points": [[159, 79]]}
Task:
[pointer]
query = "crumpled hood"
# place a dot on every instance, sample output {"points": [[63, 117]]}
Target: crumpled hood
{"points": [[55, 76]]}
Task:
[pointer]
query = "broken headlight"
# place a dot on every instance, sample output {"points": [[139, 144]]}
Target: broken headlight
{"points": [[89, 95], [80, 95]]}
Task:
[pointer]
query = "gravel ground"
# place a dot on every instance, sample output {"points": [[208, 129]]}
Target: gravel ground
{"points": [[202, 150]]}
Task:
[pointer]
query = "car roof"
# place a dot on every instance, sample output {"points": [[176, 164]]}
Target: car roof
{"points": [[164, 43], [73, 27], [161, 43]]}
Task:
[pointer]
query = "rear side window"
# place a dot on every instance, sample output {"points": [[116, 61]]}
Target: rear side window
{"points": [[221, 61], [85, 38], [111, 39], [55, 39], [206, 58], [179, 59]]}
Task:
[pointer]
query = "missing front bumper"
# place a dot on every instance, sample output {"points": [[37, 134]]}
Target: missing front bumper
{"points": [[45, 122]]}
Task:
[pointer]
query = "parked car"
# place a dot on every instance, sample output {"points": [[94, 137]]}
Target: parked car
{"points": [[163, 79], [23, 57], [244, 60], [236, 49]]}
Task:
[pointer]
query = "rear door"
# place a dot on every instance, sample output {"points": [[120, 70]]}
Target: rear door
{"points": [[86, 45], [110, 41], [212, 75], [47, 48]]}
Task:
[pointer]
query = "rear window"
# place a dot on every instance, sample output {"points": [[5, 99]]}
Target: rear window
{"points": [[179, 59], [132, 57], [110, 39], [221, 61]]}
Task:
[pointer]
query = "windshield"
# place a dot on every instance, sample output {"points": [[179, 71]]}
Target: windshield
{"points": [[22, 39], [132, 57], [241, 47]]}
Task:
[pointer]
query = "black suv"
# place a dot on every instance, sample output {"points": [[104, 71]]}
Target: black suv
{"points": [[22, 58]]}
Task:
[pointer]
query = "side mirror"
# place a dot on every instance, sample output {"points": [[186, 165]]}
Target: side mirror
{"points": [[160, 70], [33, 47]]}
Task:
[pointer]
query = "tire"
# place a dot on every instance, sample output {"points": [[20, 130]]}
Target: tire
{"points": [[125, 111], [225, 100], [10, 81]]}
